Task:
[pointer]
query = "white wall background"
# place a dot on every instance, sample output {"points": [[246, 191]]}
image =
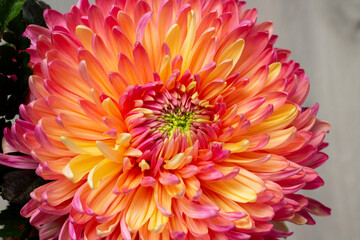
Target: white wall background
{"points": [[324, 36]]}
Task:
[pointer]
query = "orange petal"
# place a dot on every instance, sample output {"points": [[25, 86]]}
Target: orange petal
{"points": [[141, 208]]}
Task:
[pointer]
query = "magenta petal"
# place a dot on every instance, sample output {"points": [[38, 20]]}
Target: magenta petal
{"points": [[124, 229], [148, 182], [220, 224], [210, 175], [103, 219], [169, 179], [197, 211], [142, 25], [305, 214], [39, 218], [164, 211], [317, 208], [178, 235], [234, 235], [221, 228], [233, 216], [76, 203], [316, 183], [54, 18], [22, 162], [29, 208], [189, 171]]}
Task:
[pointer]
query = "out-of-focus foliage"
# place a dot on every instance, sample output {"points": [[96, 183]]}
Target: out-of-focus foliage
{"points": [[16, 184]]}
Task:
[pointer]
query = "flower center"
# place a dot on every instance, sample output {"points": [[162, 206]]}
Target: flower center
{"points": [[175, 114], [169, 117], [177, 119]]}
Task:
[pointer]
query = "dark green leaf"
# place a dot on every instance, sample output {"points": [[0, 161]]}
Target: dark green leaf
{"points": [[11, 219], [24, 58], [18, 184], [9, 231], [14, 69], [11, 108], [9, 9], [9, 37], [7, 51], [14, 225], [23, 43], [7, 54], [33, 12]]}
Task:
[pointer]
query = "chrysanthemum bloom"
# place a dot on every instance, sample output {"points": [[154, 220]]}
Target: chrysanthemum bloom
{"points": [[166, 120]]}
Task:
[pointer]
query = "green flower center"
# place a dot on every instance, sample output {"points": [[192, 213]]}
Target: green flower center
{"points": [[177, 119]]}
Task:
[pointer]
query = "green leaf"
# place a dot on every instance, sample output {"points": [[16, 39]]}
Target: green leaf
{"points": [[9, 9], [17, 25]]}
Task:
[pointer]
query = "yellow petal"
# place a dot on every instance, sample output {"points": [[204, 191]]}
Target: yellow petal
{"points": [[123, 139], [172, 39], [157, 222], [133, 152], [80, 165], [279, 119], [102, 170], [176, 190], [220, 71], [193, 191], [274, 70], [111, 109], [165, 70], [298, 219], [241, 189], [232, 52], [141, 209], [81, 147], [280, 137], [106, 228], [199, 51], [175, 161], [189, 40], [109, 152], [237, 147], [229, 206], [144, 165], [85, 35], [163, 200]]}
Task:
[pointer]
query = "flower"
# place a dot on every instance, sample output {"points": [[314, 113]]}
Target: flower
{"points": [[166, 120]]}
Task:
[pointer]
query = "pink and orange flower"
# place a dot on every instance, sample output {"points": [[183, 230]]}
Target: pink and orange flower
{"points": [[166, 120]]}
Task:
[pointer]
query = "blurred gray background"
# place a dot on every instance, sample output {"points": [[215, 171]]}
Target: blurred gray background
{"points": [[324, 37]]}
